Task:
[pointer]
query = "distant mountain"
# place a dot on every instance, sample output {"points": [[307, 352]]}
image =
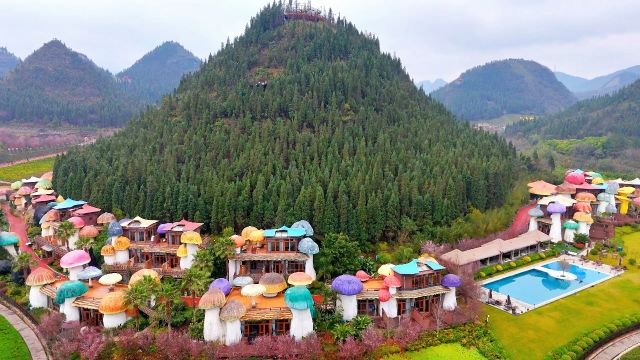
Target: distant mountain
{"points": [[159, 71], [616, 114], [512, 86], [601, 85], [8, 61], [429, 86], [58, 84]]}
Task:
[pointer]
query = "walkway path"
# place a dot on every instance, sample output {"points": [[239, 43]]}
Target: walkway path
{"points": [[616, 347], [30, 337]]}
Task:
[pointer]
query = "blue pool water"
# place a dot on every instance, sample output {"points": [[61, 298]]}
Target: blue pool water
{"points": [[534, 286]]}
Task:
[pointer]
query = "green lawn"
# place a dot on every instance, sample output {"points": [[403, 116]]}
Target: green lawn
{"points": [[534, 334], [25, 170], [453, 351], [632, 355], [11, 344]]}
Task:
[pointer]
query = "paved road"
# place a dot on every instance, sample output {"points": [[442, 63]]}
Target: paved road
{"points": [[30, 338], [18, 226], [615, 347]]}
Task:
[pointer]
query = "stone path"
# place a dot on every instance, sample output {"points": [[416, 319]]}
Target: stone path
{"points": [[30, 338], [614, 348]]}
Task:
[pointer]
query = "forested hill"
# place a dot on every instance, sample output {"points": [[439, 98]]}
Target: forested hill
{"points": [[56, 84], [511, 86], [158, 72], [8, 61], [295, 120], [616, 114]]}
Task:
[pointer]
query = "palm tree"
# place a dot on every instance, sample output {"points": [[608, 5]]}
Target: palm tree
{"points": [[65, 231], [169, 296], [136, 296], [84, 243], [195, 281], [22, 263]]}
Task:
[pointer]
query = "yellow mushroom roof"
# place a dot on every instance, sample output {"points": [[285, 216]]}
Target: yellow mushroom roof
{"points": [[121, 243], [191, 237], [107, 250], [112, 303], [181, 251]]}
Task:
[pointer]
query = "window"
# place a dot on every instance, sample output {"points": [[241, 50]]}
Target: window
{"points": [[419, 282], [402, 306], [286, 244], [90, 317], [174, 261], [367, 307], [295, 266], [421, 304], [277, 267], [282, 327], [256, 267], [253, 329], [173, 238], [159, 259]]}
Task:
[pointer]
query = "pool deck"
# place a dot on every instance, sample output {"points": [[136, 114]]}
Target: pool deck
{"points": [[522, 307]]}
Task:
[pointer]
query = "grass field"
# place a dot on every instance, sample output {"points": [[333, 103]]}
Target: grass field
{"points": [[11, 344], [453, 351], [535, 333], [25, 170]]}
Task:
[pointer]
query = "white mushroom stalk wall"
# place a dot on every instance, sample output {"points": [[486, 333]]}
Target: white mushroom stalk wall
{"points": [[449, 301], [213, 328], [232, 269], [71, 312], [192, 250], [114, 320], [389, 308], [602, 207], [109, 259], [349, 305], [72, 240], [11, 250], [36, 298], [556, 228], [533, 224], [184, 263], [233, 332], [308, 267], [73, 272], [569, 235], [583, 228], [122, 256], [301, 323]]}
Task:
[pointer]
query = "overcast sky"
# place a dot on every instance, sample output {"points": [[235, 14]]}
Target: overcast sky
{"points": [[432, 38]]}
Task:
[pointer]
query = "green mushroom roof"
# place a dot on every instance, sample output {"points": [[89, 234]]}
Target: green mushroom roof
{"points": [[7, 238], [298, 298], [70, 289], [570, 225]]}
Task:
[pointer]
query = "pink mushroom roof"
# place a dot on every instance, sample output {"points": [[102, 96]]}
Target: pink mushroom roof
{"points": [[392, 281], [76, 221], [75, 258]]}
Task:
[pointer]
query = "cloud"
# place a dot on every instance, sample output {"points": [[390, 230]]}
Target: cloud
{"points": [[432, 38]]}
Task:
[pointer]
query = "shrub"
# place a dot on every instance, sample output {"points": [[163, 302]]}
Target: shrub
{"points": [[588, 341], [601, 334], [577, 349], [572, 355], [612, 327], [617, 323], [482, 274], [526, 259], [566, 357], [512, 264], [383, 351], [542, 256], [631, 261], [351, 349], [499, 268]]}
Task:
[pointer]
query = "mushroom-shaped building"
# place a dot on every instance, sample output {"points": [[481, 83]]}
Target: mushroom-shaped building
{"points": [[347, 287], [121, 246], [112, 306], [362, 275], [612, 191], [66, 295], [534, 213], [393, 283], [583, 206], [450, 281], [192, 240], [575, 178], [38, 278], [585, 197], [181, 253], [386, 270], [108, 254], [303, 224], [584, 220], [89, 231], [105, 219], [8, 241], [603, 201], [299, 279], [624, 204], [246, 231], [211, 302], [231, 313], [570, 228], [556, 210], [257, 237], [239, 241], [16, 185], [273, 283], [386, 306], [252, 291], [309, 247], [110, 280], [114, 230], [89, 273], [221, 283], [74, 261], [242, 281], [300, 302], [566, 190], [142, 274], [77, 223], [44, 184]]}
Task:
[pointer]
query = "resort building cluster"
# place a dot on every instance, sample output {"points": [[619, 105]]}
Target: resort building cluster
{"points": [[264, 293]]}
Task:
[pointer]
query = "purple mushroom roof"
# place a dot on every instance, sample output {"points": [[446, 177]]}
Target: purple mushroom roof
{"points": [[163, 228], [221, 283], [347, 285], [451, 280], [556, 208]]}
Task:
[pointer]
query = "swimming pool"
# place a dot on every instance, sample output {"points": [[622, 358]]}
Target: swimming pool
{"points": [[536, 287]]}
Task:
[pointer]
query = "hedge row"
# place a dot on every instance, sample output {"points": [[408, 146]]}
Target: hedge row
{"points": [[581, 345], [491, 270]]}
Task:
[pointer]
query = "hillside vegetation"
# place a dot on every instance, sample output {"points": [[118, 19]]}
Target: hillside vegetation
{"points": [[58, 85], [336, 133], [511, 86], [8, 61], [158, 72]]}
